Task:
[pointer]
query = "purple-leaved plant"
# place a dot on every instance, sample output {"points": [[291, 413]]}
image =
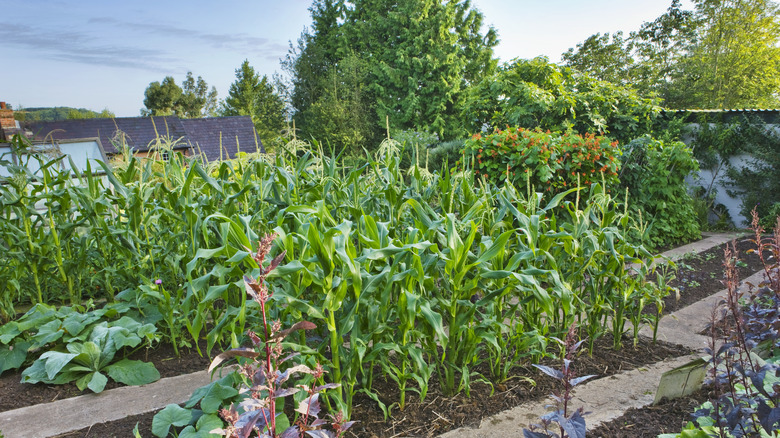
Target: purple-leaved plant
{"points": [[264, 379], [570, 424], [745, 405]]}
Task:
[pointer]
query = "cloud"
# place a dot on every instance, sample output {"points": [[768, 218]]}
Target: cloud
{"points": [[237, 42], [62, 44], [112, 42]]}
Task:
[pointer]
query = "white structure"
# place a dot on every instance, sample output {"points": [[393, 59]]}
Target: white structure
{"points": [[77, 153]]}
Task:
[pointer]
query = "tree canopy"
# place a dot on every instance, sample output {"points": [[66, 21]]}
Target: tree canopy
{"points": [[723, 54], [251, 95], [192, 100], [59, 113], [414, 59]]}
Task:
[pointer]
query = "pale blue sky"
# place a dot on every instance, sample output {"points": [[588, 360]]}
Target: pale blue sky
{"points": [[99, 54]]}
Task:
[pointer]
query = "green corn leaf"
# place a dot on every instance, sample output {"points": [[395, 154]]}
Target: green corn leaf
{"points": [[205, 254], [435, 321], [496, 248], [214, 293]]}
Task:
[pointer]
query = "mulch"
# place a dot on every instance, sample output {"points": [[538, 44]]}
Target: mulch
{"points": [[668, 416]]}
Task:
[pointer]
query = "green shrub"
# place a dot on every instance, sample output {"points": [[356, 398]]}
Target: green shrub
{"points": [[654, 174], [556, 161], [448, 152], [536, 93]]}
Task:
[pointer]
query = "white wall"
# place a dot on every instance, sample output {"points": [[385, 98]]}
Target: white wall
{"points": [[705, 177]]}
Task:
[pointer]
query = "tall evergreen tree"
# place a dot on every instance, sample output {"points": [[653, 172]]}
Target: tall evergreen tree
{"points": [[251, 95], [419, 56]]}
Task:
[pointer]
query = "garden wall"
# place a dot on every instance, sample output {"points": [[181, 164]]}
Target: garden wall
{"points": [[713, 178]]}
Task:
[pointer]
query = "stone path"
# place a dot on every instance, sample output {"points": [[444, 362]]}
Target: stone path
{"points": [[607, 398]]}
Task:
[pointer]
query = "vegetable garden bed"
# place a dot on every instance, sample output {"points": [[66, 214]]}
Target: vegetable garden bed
{"points": [[438, 413], [430, 285], [694, 278]]}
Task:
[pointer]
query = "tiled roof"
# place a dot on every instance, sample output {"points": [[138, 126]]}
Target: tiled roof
{"points": [[201, 135], [231, 134], [139, 132]]}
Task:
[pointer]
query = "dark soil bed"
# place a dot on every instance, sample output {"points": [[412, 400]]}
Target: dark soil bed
{"points": [[699, 276], [669, 416], [438, 414], [17, 395]]}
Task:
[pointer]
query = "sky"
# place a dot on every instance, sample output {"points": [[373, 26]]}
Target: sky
{"points": [[103, 54]]}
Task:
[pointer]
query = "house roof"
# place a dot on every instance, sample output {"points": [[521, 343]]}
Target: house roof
{"points": [[199, 135], [230, 133], [140, 132]]}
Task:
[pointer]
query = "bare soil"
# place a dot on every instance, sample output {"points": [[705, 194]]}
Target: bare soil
{"points": [[438, 414], [668, 416]]}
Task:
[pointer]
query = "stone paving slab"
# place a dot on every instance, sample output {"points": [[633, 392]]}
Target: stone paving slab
{"points": [[605, 399], [63, 416], [709, 240], [682, 327]]}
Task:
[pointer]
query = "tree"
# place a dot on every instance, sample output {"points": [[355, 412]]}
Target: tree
{"points": [[420, 56], [736, 62], [162, 98], [647, 60], [604, 57], [317, 52], [342, 115], [82, 113], [192, 100], [723, 54], [418, 50], [250, 95], [660, 46], [197, 100]]}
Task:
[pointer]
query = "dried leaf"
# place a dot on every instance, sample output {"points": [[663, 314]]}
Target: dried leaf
{"points": [[302, 325], [274, 263], [230, 354]]}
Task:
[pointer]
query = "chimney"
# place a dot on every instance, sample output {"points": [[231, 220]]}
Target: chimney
{"points": [[8, 125]]}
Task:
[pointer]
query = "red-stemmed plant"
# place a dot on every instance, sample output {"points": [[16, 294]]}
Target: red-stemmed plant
{"points": [[264, 379]]}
